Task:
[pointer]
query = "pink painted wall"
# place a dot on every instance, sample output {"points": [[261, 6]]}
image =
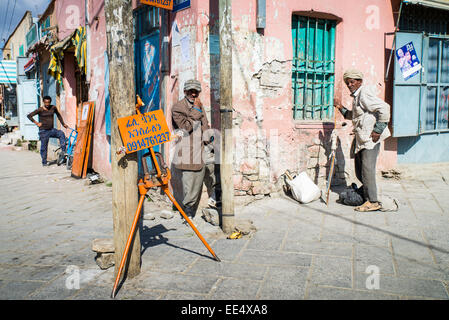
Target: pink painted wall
{"points": [[71, 15], [263, 62], [98, 43], [69, 95], [270, 140]]}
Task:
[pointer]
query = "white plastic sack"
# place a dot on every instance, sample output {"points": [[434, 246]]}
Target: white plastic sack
{"points": [[303, 189]]}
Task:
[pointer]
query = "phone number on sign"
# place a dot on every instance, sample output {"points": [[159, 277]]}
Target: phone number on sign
{"points": [[148, 141]]}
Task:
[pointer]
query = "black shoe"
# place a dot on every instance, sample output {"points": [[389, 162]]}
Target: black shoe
{"points": [[61, 159], [45, 165]]}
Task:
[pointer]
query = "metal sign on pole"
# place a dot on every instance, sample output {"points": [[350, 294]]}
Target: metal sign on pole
{"points": [[151, 129], [164, 4], [180, 5]]}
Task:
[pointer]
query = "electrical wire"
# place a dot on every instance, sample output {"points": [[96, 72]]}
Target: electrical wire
{"points": [[12, 15], [4, 23]]}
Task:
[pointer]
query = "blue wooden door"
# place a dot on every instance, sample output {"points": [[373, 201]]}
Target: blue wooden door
{"points": [[407, 93], [421, 101], [146, 59]]}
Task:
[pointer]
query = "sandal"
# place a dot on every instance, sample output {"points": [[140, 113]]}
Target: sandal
{"points": [[368, 206]]}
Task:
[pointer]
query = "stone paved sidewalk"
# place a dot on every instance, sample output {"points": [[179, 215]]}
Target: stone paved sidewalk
{"points": [[48, 221]]}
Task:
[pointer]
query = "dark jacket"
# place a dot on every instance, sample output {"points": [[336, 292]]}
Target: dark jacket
{"points": [[193, 123]]}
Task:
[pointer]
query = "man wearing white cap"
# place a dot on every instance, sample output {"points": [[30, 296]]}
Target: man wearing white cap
{"points": [[190, 121], [370, 116]]}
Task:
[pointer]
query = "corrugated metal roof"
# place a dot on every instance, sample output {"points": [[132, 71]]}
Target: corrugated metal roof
{"points": [[439, 4]]}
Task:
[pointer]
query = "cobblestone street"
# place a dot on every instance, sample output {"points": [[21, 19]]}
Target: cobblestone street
{"points": [[49, 219]]}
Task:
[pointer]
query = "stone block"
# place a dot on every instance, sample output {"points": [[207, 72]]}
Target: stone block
{"points": [[165, 214], [244, 185], [249, 166], [105, 260], [261, 187], [253, 177], [103, 245], [211, 215]]}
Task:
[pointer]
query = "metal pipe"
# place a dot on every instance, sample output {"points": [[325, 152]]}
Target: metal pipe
{"points": [[261, 14], [394, 41], [128, 244]]}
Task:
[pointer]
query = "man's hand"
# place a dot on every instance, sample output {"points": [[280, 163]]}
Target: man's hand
{"points": [[195, 112], [375, 136], [38, 124], [197, 102], [337, 104]]}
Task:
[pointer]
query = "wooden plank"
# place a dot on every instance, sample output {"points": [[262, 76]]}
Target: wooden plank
{"points": [[81, 143], [89, 138]]}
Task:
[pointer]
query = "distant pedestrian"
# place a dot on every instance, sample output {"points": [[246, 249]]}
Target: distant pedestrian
{"points": [[370, 116], [46, 129], [192, 158]]}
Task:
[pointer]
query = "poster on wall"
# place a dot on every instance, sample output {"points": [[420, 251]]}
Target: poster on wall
{"points": [[176, 35], [185, 49], [408, 61], [180, 5], [150, 72]]}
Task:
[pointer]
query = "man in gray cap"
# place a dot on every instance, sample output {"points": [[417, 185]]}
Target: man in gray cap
{"points": [[370, 116], [190, 121]]}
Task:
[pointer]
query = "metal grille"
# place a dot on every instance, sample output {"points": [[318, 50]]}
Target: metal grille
{"points": [[313, 68], [147, 20], [420, 18], [437, 78]]}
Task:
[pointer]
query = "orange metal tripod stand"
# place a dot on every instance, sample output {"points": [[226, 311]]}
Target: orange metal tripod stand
{"points": [[159, 176]]}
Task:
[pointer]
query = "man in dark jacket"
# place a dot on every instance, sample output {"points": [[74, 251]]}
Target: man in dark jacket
{"points": [[189, 120], [46, 129]]}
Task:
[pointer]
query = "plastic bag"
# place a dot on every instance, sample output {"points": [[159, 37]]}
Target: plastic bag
{"points": [[303, 189], [352, 196]]}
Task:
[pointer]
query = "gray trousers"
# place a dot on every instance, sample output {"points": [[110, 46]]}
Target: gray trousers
{"points": [[192, 186], [365, 170]]}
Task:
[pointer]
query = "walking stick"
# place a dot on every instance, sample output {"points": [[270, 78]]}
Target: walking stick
{"points": [[159, 176], [333, 148]]}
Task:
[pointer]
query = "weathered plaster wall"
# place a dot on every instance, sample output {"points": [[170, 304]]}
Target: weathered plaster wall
{"points": [[71, 15], [98, 43], [267, 139], [68, 95], [263, 96]]}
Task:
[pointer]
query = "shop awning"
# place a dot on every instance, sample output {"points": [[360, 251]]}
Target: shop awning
{"points": [[29, 65], [438, 4], [8, 71]]}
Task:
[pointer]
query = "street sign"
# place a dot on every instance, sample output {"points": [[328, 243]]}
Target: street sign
{"points": [[143, 131], [165, 4], [180, 5]]}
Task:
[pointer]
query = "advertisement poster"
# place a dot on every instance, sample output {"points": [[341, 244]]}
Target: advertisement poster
{"points": [[408, 61], [150, 72]]}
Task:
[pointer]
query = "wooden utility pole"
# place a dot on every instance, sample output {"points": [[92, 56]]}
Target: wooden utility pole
{"points": [[119, 32], [226, 167]]}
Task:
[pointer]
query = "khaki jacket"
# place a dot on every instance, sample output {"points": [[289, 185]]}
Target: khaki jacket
{"points": [[367, 109], [189, 149]]}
